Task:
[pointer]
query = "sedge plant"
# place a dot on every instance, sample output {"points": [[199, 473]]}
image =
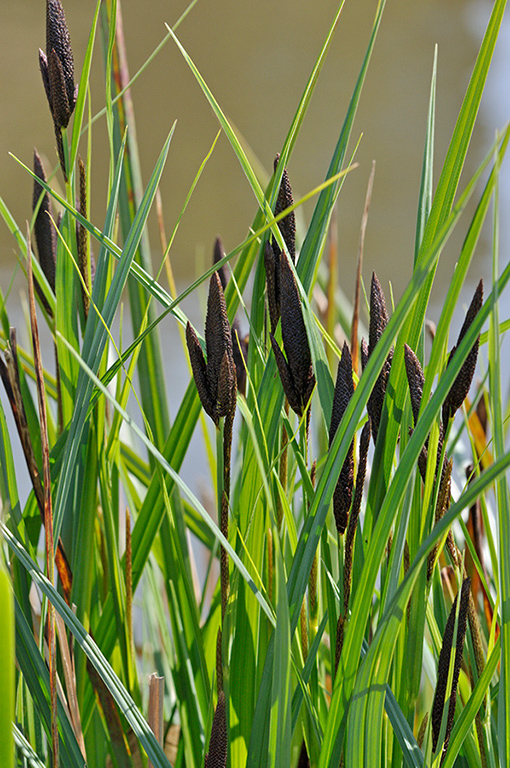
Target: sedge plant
{"points": [[350, 604]]}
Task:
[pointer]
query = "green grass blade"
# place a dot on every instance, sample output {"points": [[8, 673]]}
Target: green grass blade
{"points": [[319, 225], [96, 336], [7, 668], [279, 729], [79, 109], [124, 701]]}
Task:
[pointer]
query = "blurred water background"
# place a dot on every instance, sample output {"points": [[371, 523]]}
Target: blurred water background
{"points": [[256, 57]]}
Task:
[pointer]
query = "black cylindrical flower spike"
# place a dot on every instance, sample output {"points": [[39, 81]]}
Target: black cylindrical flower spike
{"points": [[443, 665], [59, 40], [462, 383], [415, 379], [378, 322], [57, 70], [344, 390], [239, 343], [296, 371], [216, 378], [216, 757], [287, 225], [45, 235], [272, 251]]}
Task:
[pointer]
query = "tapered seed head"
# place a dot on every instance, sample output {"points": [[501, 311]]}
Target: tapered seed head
{"points": [[443, 666], [218, 743], [218, 337], [272, 267], [287, 225], [415, 379], [199, 368], [295, 340], [45, 235], [378, 313], [344, 390], [462, 383], [59, 40], [218, 254]]}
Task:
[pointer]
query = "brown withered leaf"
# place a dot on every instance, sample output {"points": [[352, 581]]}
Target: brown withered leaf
{"points": [[462, 383], [443, 665], [218, 743]]}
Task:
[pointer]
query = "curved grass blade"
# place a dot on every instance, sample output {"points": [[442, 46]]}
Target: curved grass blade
{"points": [[96, 334], [121, 696], [373, 668]]}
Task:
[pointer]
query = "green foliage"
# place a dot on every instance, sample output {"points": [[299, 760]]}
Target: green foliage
{"points": [[320, 653]]}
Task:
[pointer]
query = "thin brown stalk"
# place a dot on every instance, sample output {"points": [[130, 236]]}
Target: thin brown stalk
{"points": [[357, 291], [156, 697], [48, 512], [9, 373], [83, 241], [70, 679]]}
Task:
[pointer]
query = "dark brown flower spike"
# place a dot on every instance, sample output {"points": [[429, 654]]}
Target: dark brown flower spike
{"points": [[58, 41], [287, 225], [239, 343], [215, 379], [218, 255], [296, 371], [378, 322], [272, 267], [443, 666], [344, 390], [272, 251], [462, 383], [415, 379], [57, 70], [218, 743], [45, 234]]}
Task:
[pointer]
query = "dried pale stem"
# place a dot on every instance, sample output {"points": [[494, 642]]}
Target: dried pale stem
{"points": [[156, 698]]}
